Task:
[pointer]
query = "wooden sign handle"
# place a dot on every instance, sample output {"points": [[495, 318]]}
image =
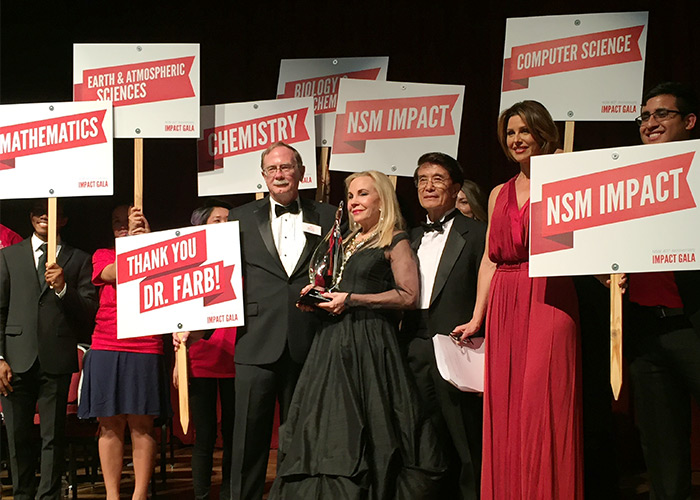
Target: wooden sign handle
{"points": [[183, 385], [259, 196], [138, 172], [323, 191], [569, 137], [615, 334], [53, 230]]}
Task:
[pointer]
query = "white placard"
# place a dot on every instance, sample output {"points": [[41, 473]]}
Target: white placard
{"points": [[581, 67], [56, 149], [320, 79], [154, 87], [387, 126], [234, 136], [179, 280], [621, 210]]}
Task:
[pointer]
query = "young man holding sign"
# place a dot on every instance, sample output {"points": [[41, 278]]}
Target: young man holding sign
{"points": [[44, 310], [278, 236], [663, 343]]}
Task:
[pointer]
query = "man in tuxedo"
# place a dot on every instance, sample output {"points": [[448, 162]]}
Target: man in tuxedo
{"points": [[44, 311], [278, 236], [662, 343], [449, 247]]}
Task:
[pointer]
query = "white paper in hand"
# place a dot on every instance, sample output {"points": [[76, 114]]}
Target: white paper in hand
{"points": [[462, 367]]}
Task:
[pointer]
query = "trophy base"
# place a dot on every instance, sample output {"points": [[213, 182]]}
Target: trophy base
{"points": [[312, 297]]}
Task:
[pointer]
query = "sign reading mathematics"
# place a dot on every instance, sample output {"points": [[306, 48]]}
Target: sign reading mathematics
{"points": [[154, 88], [320, 79], [235, 135], [179, 280], [387, 125], [623, 210], [55, 150], [582, 67]]}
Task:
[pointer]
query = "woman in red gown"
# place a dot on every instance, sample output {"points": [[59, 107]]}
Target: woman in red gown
{"points": [[532, 398]]}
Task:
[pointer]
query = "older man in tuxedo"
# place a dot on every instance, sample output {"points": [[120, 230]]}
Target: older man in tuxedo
{"points": [[449, 247], [278, 236], [44, 311]]}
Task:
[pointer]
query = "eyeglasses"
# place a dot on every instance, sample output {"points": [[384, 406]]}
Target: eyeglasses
{"points": [[271, 170], [438, 181], [660, 115]]}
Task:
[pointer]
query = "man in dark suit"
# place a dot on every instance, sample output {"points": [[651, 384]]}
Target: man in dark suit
{"points": [[662, 343], [44, 311], [278, 236], [449, 248]]}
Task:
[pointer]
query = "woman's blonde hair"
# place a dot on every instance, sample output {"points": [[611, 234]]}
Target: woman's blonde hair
{"points": [[390, 219]]}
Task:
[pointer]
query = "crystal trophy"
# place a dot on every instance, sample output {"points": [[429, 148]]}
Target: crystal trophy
{"points": [[326, 265]]}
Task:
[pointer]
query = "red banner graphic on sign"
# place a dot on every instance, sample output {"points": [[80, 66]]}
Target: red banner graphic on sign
{"points": [[406, 117], [211, 283], [250, 135], [571, 54], [622, 194], [159, 258], [54, 134], [324, 89], [138, 83]]}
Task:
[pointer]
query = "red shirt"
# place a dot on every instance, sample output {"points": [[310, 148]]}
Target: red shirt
{"points": [[654, 289], [8, 237], [213, 358], [105, 335]]}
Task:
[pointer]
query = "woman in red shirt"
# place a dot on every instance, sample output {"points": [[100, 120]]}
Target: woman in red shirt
{"points": [[122, 378]]}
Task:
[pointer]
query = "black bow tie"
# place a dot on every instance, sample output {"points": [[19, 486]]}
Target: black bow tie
{"points": [[292, 208], [437, 226]]}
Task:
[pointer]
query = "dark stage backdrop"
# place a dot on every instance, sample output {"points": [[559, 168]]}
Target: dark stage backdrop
{"points": [[242, 43]]}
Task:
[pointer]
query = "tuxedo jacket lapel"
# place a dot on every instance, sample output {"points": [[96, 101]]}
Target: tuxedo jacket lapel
{"points": [[310, 216], [262, 214], [456, 240]]}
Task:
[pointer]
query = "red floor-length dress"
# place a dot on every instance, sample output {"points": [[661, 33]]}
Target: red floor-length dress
{"points": [[532, 399]]}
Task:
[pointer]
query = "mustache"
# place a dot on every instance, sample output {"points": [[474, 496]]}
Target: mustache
{"points": [[280, 182]]}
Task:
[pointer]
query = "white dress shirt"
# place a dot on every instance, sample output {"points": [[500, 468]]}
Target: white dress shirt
{"points": [[288, 233], [432, 244]]}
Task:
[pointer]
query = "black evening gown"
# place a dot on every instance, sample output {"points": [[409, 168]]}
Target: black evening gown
{"points": [[354, 429]]}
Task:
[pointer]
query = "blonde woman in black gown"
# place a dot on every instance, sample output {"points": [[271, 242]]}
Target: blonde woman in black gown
{"points": [[354, 430]]}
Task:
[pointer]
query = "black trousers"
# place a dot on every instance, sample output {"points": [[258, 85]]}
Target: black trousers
{"points": [[456, 415], [204, 393], [664, 357], [258, 387], [49, 393]]}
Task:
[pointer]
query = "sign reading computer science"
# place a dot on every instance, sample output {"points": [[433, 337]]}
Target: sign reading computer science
{"points": [[55, 150], [154, 88], [631, 209], [320, 79], [179, 280], [387, 125], [235, 135], [582, 67]]}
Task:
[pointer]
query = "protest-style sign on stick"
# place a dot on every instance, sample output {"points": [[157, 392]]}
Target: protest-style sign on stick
{"points": [[56, 149], [390, 124], [155, 92], [234, 135], [615, 299], [319, 78], [583, 67], [179, 280], [597, 220]]}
